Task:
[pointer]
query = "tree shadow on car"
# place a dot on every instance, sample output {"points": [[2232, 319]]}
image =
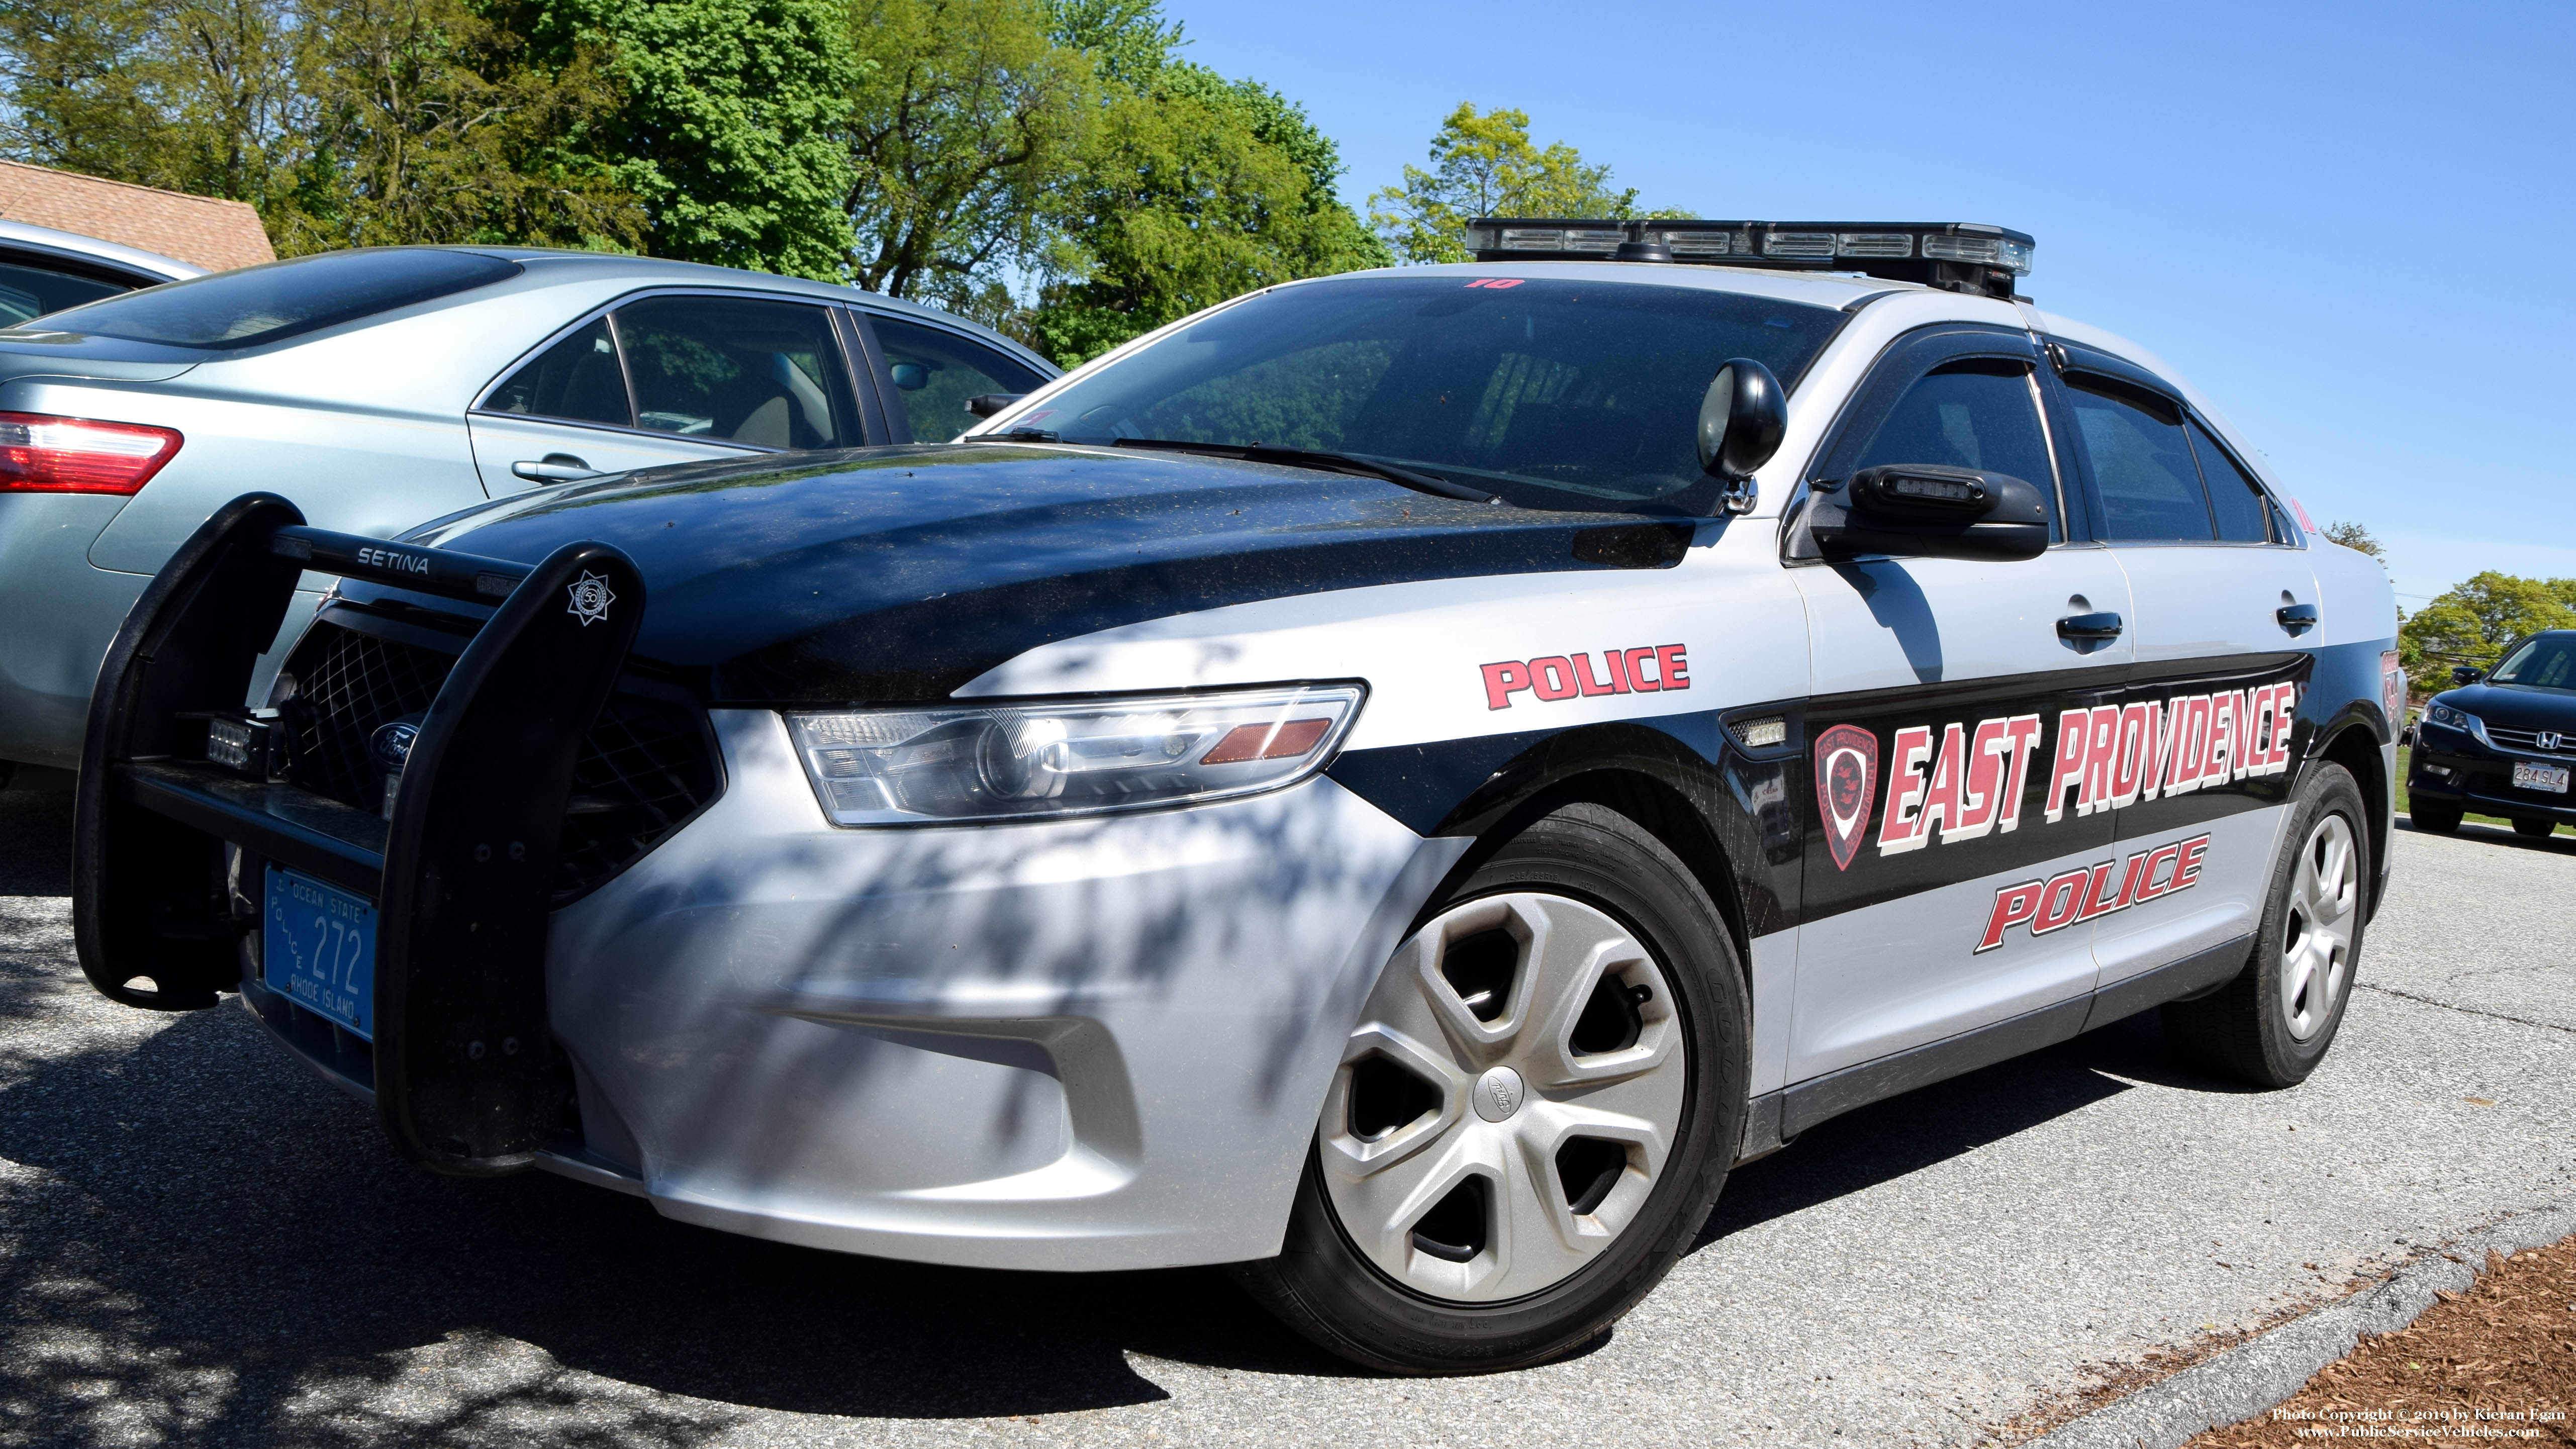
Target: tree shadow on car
{"points": [[1902, 1135]]}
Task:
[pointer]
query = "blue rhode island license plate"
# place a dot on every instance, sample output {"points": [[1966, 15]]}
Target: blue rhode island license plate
{"points": [[318, 948]]}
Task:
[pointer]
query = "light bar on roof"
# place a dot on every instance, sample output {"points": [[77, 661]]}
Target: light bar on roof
{"points": [[1958, 256]]}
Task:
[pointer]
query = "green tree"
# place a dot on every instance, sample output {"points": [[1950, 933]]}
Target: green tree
{"points": [[2472, 622], [967, 119], [1194, 189], [431, 126], [1486, 165], [2357, 538], [730, 124], [345, 122]]}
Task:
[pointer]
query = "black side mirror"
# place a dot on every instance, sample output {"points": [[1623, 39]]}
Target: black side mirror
{"points": [[1741, 421], [985, 404], [2463, 674], [1928, 511]]}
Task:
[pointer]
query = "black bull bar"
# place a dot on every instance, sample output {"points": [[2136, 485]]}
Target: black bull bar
{"points": [[467, 1078]]}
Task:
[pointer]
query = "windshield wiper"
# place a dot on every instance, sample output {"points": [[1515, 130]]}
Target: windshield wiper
{"points": [[1314, 458]]}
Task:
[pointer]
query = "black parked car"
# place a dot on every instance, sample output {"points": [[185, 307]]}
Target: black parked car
{"points": [[2503, 743]]}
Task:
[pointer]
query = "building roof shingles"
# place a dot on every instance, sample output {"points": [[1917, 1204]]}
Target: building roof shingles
{"points": [[212, 233]]}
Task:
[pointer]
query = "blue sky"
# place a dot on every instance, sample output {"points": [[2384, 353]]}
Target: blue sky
{"points": [[2354, 226]]}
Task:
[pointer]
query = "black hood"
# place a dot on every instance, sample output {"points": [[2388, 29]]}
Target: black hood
{"points": [[898, 574], [2514, 706]]}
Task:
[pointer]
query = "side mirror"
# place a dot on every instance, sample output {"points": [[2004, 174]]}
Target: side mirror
{"points": [[1929, 511], [1741, 421], [2463, 674]]}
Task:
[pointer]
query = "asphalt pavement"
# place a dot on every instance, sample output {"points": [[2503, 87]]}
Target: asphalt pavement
{"points": [[202, 1244]]}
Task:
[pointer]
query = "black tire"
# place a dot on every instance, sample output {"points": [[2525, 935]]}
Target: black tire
{"points": [[1327, 1289], [2536, 829], [2246, 1029], [2437, 819]]}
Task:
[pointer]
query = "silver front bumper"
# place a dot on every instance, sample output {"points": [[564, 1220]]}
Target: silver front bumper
{"points": [[1089, 1044]]}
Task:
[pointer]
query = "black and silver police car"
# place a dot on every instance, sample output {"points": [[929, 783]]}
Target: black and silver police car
{"points": [[1398, 782]]}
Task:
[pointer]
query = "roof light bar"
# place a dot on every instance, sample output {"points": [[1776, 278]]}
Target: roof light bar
{"points": [[1956, 256]]}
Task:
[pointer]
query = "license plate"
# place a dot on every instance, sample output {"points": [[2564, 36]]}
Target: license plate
{"points": [[318, 949], [2530, 776]]}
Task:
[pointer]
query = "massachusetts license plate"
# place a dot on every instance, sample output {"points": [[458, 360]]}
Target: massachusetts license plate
{"points": [[318, 948], [2530, 776]]}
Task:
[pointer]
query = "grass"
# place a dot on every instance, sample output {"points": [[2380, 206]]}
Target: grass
{"points": [[2404, 754]]}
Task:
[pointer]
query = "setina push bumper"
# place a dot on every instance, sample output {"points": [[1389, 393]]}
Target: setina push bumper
{"points": [[412, 938]]}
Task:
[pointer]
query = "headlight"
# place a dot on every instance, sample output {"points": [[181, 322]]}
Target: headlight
{"points": [[1078, 757], [2449, 718]]}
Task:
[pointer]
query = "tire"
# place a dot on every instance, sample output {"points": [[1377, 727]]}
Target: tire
{"points": [[1444, 1228], [2536, 829], [2438, 819], [2272, 1024]]}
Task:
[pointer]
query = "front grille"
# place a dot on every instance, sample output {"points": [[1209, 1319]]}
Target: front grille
{"points": [[645, 767], [2529, 740], [347, 686]]}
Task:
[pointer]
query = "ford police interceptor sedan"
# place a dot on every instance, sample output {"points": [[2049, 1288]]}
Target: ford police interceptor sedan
{"points": [[1398, 782]]}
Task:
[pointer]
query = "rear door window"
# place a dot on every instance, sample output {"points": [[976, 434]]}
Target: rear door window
{"points": [[577, 379], [2142, 465], [935, 371], [1978, 412], [738, 369], [2244, 516]]}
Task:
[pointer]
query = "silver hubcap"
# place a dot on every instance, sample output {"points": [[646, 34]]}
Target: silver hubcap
{"points": [[2316, 945], [1508, 1101]]}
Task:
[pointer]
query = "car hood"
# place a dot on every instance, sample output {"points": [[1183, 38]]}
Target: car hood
{"points": [[2514, 707], [899, 574]]}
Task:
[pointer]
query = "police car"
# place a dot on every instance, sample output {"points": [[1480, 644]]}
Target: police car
{"points": [[1399, 782]]}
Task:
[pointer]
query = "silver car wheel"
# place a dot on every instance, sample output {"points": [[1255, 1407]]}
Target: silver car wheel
{"points": [[2316, 947], [1508, 1101]]}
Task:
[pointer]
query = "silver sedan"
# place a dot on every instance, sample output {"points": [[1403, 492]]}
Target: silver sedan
{"points": [[378, 389]]}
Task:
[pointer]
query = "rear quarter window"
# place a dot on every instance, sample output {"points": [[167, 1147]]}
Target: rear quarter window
{"points": [[279, 300]]}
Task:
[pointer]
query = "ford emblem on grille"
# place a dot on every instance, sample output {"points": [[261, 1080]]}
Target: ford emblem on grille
{"points": [[390, 745]]}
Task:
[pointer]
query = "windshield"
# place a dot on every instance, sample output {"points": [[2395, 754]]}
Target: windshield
{"points": [[278, 300], [1552, 394], [2547, 662]]}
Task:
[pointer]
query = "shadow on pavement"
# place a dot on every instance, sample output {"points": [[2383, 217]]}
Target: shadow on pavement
{"points": [[1887, 1140]]}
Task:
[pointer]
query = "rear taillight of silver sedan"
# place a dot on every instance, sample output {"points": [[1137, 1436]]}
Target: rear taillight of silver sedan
{"points": [[44, 454]]}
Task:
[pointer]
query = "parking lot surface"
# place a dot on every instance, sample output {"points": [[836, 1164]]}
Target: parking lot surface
{"points": [[200, 1243]]}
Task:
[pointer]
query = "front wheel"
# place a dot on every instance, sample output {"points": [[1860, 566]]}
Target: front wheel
{"points": [[1533, 1117], [2271, 1025], [2535, 829]]}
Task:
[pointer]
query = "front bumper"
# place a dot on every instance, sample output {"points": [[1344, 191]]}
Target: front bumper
{"points": [[1087, 1044], [2452, 768]]}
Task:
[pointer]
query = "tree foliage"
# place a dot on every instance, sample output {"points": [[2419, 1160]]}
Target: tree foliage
{"points": [[345, 122], [1486, 165], [2472, 622], [2357, 538], [1191, 188]]}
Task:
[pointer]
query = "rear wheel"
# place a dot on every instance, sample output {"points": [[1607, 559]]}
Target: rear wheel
{"points": [[2434, 818], [2271, 1025], [2535, 828], [1530, 1122]]}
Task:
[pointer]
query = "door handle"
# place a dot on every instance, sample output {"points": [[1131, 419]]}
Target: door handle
{"points": [[554, 468], [2297, 618], [2104, 625]]}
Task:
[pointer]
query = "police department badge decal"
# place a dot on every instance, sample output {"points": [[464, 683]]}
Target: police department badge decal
{"points": [[1846, 772], [590, 598]]}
